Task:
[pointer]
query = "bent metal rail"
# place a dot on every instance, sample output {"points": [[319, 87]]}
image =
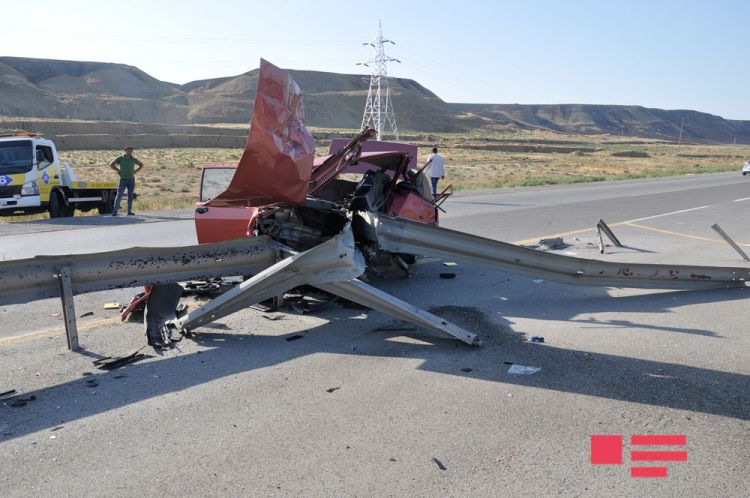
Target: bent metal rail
{"points": [[325, 266]]}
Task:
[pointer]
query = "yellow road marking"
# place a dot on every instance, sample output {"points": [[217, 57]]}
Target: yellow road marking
{"points": [[40, 334], [677, 234], [563, 234], [624, 223]]}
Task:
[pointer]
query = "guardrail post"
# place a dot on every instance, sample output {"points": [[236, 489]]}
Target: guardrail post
{"points": [[724, 235], [68, 305]]}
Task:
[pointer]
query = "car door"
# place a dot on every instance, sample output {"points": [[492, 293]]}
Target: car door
{"points": [[216, 224]]}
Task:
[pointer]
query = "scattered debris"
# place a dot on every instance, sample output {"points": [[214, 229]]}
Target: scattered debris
{"points": [[535, 338], [447, 275], [503, 298], [112, 306], [467, 369], [91, 383], [200, 288], [439, 464], [551, 244], [508, 362], [293, 338], [110, 363], [57, 428], [122, 376], [450, 263], [391, 459], [273, 317], [55, 315], [332, 389], [523, 370], [85, 374], [88, 313], [538, 281], [7, 393]]}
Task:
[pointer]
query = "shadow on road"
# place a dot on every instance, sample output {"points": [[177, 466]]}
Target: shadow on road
{"points": [[233, 352]]}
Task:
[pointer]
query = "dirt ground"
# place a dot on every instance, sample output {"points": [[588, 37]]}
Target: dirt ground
{"points": [[476, 161]]}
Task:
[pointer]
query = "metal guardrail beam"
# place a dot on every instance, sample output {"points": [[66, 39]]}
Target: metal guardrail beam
{"points": [[36, 278], [366, 295], [336, 259], [401, 236]]}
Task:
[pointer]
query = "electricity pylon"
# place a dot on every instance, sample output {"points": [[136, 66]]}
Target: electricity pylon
{"points": [[379, 107]]}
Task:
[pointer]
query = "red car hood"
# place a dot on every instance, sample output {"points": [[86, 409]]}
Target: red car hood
{"points": [[278, 158]]}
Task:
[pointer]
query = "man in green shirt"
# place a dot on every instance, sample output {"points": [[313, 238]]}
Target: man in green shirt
{"points": [[125, 167]]}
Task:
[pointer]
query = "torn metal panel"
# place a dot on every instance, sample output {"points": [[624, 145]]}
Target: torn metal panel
{"points": [[278, 157], [335, 260], [369, 296], [403, 236], [330, 167], [161, 305], [25, 280]]}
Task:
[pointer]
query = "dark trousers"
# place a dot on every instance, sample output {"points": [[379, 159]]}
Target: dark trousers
{"points": [[130, 185], [434, 180]]}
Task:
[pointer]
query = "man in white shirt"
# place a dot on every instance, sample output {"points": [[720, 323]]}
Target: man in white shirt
{"points": [[437, 169]]}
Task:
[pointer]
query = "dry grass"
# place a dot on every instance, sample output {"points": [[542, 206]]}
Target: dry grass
{"points": [[171, 177]]}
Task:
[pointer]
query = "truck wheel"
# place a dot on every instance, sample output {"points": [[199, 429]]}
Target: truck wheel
{"points": [[107, 206], [55, 205]]}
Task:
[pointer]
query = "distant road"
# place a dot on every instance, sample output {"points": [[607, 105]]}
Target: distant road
{"points": [[504, 214]]}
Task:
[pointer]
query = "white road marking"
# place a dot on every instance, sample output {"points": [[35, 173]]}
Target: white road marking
{"points": [[743, 199], [667, 214]]}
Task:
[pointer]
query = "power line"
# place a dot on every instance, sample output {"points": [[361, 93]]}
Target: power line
{"points": [[378, 112]]}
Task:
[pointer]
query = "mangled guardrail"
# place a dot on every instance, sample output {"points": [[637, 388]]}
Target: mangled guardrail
{"points": [[332, 266], [402, 236], [44, 277]]}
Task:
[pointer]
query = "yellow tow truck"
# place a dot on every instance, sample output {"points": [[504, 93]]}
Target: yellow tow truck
{"points": [[33, 180]]}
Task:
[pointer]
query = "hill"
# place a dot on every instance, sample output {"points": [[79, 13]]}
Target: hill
{"points": [[617, 120], [56, 89]]}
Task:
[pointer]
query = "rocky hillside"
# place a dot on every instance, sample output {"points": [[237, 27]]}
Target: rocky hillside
{"points": [[40, 88], [617, 120]]}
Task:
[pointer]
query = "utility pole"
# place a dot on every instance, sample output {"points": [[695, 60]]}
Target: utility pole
{"points": [[379, 107]]}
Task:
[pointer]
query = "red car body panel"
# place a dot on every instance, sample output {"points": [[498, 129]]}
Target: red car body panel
{"points": [[412, 207], [375, 146], [278, 158], [217, 223]]}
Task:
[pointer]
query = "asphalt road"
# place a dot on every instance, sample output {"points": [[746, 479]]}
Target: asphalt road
{"points": [[347, 409]]}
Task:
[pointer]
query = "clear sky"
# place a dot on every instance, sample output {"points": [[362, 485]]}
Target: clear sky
{"points": [[660, 53]]}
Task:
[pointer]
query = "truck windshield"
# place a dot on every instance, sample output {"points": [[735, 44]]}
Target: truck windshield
{"points": [[215, 181], [16, 156]]}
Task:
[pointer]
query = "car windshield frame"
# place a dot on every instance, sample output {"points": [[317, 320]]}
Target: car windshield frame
{"points": [[14, 159], [212, 181]]}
